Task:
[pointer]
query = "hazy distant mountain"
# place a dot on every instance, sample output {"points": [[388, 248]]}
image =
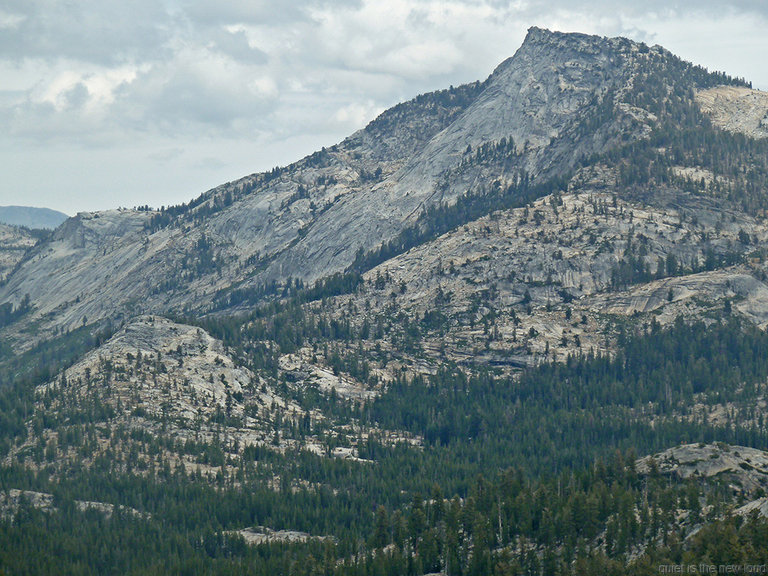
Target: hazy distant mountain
{"points": [[31, 217]]}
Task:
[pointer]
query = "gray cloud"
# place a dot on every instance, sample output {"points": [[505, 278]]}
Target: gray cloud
{"points": [[235, 45], [209, 12], [199, 87], [88, 30]]}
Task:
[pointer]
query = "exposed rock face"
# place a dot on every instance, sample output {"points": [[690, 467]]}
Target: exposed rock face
{"points": [[263, 535], [537, 99], [90, 269], [746, 469], [159, 381], [12, 500], [173, 371], [299, 367], [163, 379], [544, 281], [534, 103], [760, 506], [743, 470], [736, 109]]}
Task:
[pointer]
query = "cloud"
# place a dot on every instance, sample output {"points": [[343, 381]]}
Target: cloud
{"points": [[243, 11], [253, 83], [356, 114], [200, 86], [10, 21], [234, 43], [412, 40], [104, 32]]}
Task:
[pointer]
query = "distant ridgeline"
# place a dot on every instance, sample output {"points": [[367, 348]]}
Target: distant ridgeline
{"points": [[30, 217]]}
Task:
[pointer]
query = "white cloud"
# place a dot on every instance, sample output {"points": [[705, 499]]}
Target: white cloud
{"points": [[99, 84], [356, 114]]}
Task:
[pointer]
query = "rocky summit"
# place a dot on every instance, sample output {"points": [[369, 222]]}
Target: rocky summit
{"points": [[516, 326]]}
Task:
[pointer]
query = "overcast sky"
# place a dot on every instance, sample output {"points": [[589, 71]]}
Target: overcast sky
{"points": [[107, 103]]}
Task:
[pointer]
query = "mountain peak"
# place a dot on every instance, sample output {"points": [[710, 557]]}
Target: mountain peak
{"points": [[538, 35], [551, 48], [580, 42]]}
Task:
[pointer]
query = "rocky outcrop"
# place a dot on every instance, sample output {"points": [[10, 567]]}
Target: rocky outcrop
{"points": [[155, 379], [162, 370], [743, 469], [159, 391], [263, 535], [13, 500], [736, 109], [547, 280], [95, 266], [739, 469]]}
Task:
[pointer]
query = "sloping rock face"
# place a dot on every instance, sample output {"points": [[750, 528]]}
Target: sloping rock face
{"points": [[744, 469], [174, 371], [736, 109], [162, 393], [92, 268], [529, 110], [556, 102], [536, 99], [759, 506], [549, 279], [709, 460]]}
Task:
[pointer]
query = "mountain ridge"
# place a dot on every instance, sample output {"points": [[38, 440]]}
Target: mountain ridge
{"points": [[312, 218], [30, 217]]}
